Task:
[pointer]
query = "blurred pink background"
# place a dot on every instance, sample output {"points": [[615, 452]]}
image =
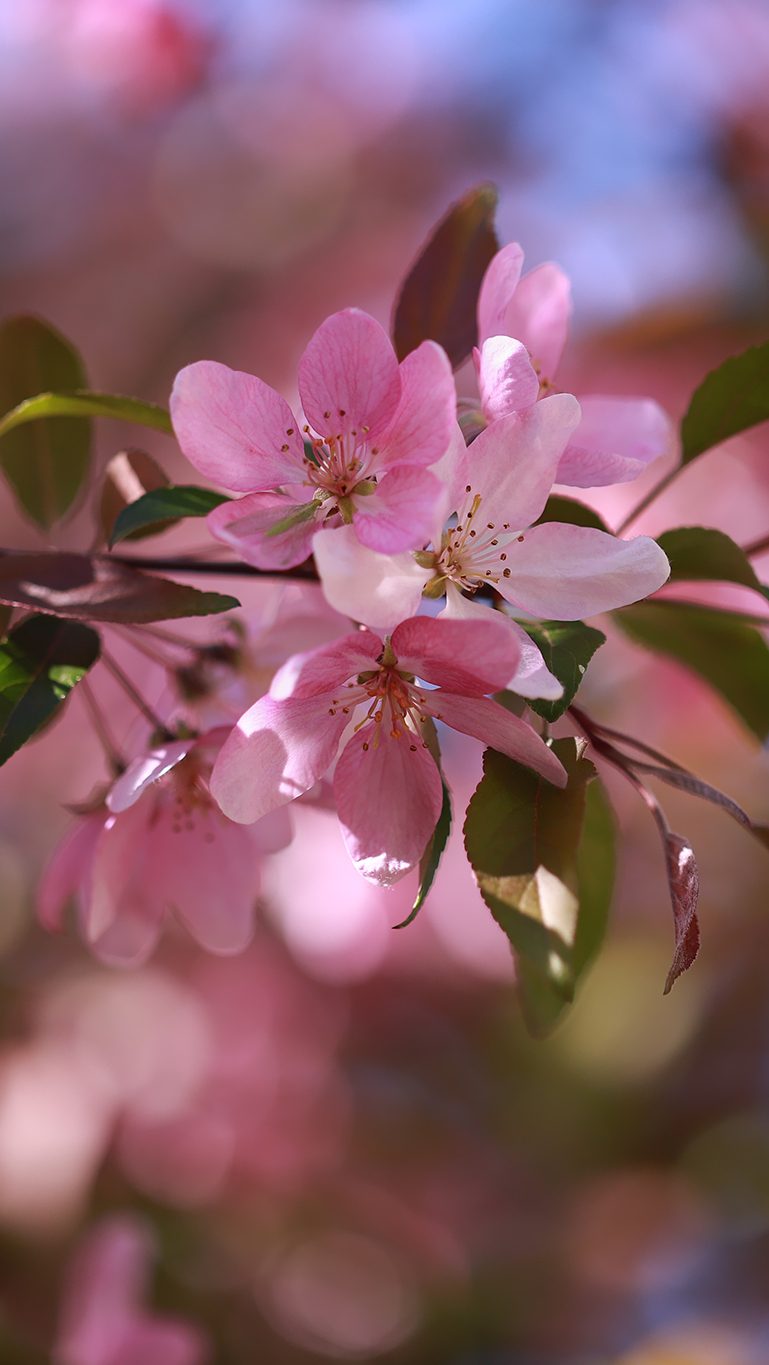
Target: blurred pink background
{"points": [[343, 1141]]}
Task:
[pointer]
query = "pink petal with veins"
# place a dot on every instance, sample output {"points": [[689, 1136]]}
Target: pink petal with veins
{"points": [[471, 657], [245, 526], [614, 442], [422, 426], [278, 750], [233, 427], [512, 463], [538, 315], [491, 723], [532, 677], [388, 796], [401, 514], [507, 380], [350, 372], [565, 573], [209, 874], [499, 285], [326, 667], [379, 590], [118, 883]]}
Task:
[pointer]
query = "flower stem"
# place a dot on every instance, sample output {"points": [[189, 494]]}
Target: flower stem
{"points": [[136, 697]]}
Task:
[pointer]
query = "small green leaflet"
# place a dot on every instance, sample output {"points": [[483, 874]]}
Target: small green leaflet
{"points": [[47, 464], [428, 864], [439, 296], [567, 648], [699, 552], [164, 504], [40, 662], [84, 403], [730, 399], [304, 512], [729, 654], [544, 861], [573, 512]]}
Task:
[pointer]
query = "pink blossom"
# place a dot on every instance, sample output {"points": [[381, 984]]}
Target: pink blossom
{"points": [[498, 487], [523, 326], [102, 1320], [372, 428], [387, 785], [159, 843]]}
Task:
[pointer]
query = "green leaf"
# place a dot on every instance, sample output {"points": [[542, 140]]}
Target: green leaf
{"points": [[730, 399], [522, 837], [729, 654], [128, 471], [304, 512], [439, 296], [47, 464], [98, 588], [573, 512], [40, 663], [84, 403], [567, 648], [164, 504], [430, 860], [596, 870], [699, 552]]}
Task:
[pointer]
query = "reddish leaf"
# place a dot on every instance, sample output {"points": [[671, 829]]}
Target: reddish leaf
{"points": [[83, 588], [440, 293], [684, 886]]}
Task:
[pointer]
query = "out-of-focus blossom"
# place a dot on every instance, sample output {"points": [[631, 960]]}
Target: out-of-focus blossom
{"points": [[270, 1111], [103, 1320], [387, 785], [232, 668], [523, 326], [378, 426], [159, 843]]}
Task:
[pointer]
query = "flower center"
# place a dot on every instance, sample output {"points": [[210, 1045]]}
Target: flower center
{"points": [[391, 698], [339, 464], [473, 551]]}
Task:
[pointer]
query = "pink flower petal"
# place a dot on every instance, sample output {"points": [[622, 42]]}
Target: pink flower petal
{"points": [[498, 287], [422, 426], [244, 525], [388, 796], [379, 590], [507, 380], [119, 866], [207, 869], [452, 469], [102, 1321], [401, 514], [102, 1290], [157, 1342], [512, 463], [565, 573], [278, 750], [68, 868], [145, 770], [532, 677], [132, 937], [489, 722], [273, 832], [349, 377], [318, 671], [472, 657], [538, 315], [233, 428], [615, 440]]}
